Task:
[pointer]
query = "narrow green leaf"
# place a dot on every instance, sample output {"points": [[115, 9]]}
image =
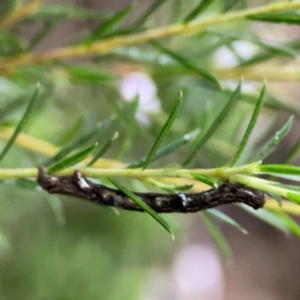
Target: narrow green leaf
{"points": [[80, 142], [103, 149], [184, 187], [287, 18], [110, 25], [155, 5], [293, 197], [188, 64], [25, 118], [168, 149], [142, 204], [217, 236], [279, 136], [198, 10], [226, 219], [89, 75], [207, 180], [234, 97], [268, 217], [73, 159], [164, 131], [250, 126], [279, 169]]}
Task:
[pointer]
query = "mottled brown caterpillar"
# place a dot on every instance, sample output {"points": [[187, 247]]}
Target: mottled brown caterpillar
{"points": [[79, 186]]}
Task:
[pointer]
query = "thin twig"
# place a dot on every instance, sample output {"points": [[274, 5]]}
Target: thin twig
{"points": [[20, 14], [108, 45]]}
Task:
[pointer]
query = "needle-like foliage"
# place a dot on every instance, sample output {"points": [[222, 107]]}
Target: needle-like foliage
{"points": [[113, 83]]}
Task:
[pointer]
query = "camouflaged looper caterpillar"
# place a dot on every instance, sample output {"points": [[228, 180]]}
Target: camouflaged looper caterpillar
{"points": [[79, 186]]}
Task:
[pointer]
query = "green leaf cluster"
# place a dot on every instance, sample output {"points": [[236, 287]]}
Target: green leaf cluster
{"points": [[203, 122]]}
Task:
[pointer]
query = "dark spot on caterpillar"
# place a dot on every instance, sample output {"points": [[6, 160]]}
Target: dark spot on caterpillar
{"points": [[233, 189]]}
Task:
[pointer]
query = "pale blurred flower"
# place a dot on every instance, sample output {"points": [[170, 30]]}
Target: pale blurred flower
{"points": [[224, 57], [196, 274], [141, 85]]}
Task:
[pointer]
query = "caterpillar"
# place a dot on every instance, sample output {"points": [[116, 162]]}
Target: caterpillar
{"points": [[79, 186]]}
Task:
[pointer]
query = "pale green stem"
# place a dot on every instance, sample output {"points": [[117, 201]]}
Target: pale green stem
{"points": [[219, 173], [250, 168]]}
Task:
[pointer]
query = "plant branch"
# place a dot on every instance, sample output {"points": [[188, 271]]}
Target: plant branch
{"points": [[219, 173], [39, 146], [108, 45], [36, 145], [31, 143], [20, 14]]}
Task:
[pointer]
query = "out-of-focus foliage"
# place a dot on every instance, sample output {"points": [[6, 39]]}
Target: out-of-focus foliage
{"points": [[60, 247]]}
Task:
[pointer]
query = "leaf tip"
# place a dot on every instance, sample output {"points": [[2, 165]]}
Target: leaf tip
{"points": [[172, 236], [115, 136]]}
